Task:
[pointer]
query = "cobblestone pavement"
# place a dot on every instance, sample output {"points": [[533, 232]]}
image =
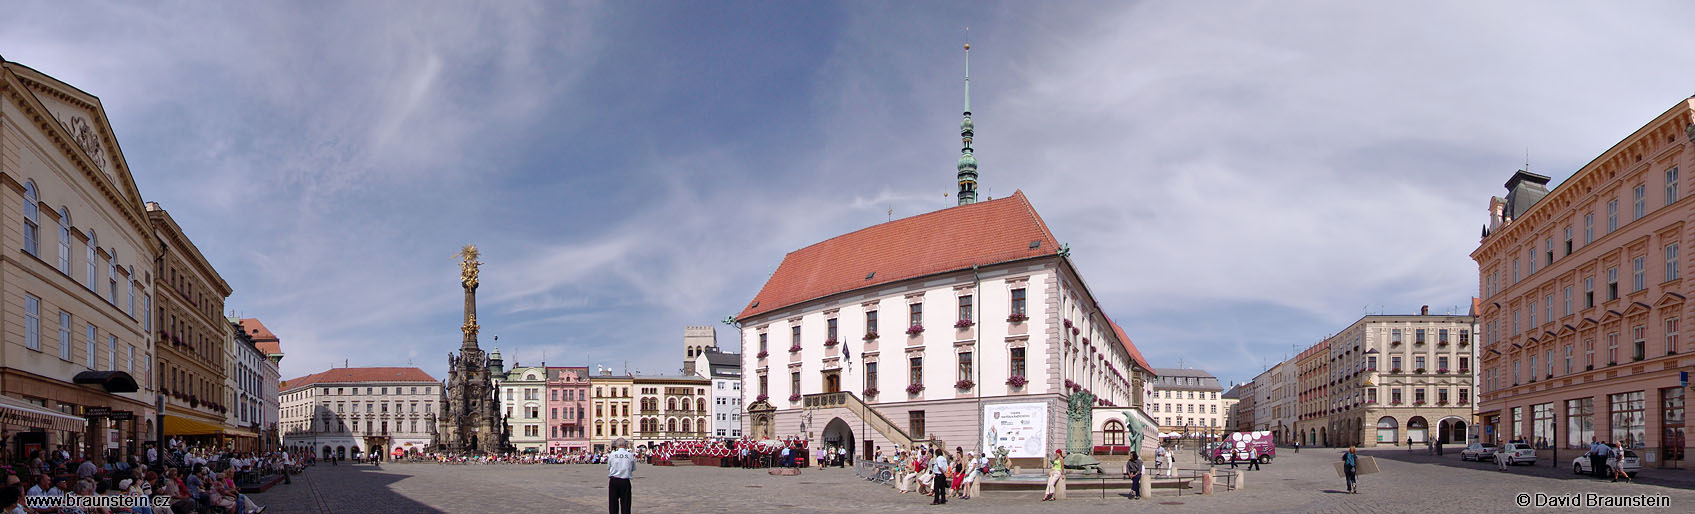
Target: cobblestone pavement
{"points": [[1304, 482]]}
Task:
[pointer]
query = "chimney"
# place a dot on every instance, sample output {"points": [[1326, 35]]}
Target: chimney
{"points": [[1424, 310]]}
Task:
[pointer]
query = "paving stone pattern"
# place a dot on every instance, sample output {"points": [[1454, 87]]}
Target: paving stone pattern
{"points": [[1304, 482]]}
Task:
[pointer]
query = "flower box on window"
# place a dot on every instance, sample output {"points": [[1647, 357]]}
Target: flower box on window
{"points": [[1443, 344], [795, 348], [831, 342], [1419, 371], [914, 330], [1395, 370], [764, 354], [1441, 402], [1589, 367], [964, 384], [1069, 384], [964, 323], [794, 397], [914, 388], [1016, 381], [1550, 376], [871, 393], [1464, 370], [761, 398], [1441, 371], [1612, 363], [869, 336], [1068, 323], [1017, 317], [1394, 343], [1075, 331]]}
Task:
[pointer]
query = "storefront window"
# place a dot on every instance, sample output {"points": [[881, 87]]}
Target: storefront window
{"points": [[1628, 422], [1671, 423], [1542, 425], [1580, 422]]}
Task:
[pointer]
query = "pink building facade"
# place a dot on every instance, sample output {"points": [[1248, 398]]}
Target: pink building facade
{"points": [[567, 409], [1582, 300]]}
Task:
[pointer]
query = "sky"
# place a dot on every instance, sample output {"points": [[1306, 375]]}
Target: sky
{"points": [[1236, 180]]}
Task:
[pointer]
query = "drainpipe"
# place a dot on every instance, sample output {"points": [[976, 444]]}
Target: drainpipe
{"points": [[977, 309]]}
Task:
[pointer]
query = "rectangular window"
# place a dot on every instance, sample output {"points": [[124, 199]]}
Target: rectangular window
{"points": [[1612, 348], [32, 322], [1548, 309], [131, 298], [89, 342], [965, 308], [1548, 247], [871, 375], [1418, 363], [1628, 423], [1418, 395], [1395, 364], [1639, 342], [1532, 311], [1568, 240], [1671, 262], [1018, 301], [915, 315], [915, 423], [830, 329], [1588, 292], [1671, 186], [1530, 260], [1515, 271], [1612, 283], [1017, 363], [915, 371], [1395, 336], [112, 352], [794, 383], [1465, 364], [964, 366], [65, 335], [1671, 336], [1568, 302], [1612, 215], [1515, 322], [1442, 363], [1588, 228], [1639, 274], [1542, 423], [763, 342], [794, 335], [1418, 335], [1568, 359], [1589, 354], [870, 322], [1580, 422], [1639, 206], [129, 359]]}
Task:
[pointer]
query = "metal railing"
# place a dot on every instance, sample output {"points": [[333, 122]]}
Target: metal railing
{"points": [[880, 472]]}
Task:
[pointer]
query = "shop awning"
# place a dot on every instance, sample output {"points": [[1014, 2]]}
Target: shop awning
{"points": [[18, 412], [236, 432], [112, 381], [177, 425]]}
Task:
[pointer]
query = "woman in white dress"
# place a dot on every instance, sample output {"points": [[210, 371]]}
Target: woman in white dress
{"points": [[970, 475]]}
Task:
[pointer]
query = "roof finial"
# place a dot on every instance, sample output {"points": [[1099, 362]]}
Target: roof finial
{"points": [[967, 162]]}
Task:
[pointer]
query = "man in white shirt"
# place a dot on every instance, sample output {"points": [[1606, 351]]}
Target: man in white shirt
{"points": [[619, 467], [939, 468], [44, 487]]}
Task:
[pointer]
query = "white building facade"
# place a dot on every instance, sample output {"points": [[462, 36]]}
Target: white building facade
{"points": [[993, 316], [244, 382], [346, 410], [725, 370], [1189, 401], [523, 403]]}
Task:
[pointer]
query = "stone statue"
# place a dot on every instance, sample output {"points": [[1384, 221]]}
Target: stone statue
{"points": [[468, 265], [1079, 414], [1134, 429], [1000, 468]]}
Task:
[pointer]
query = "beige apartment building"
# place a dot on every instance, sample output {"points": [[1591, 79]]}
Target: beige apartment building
{"points": [[1312, 421], [345, 410], [192, 337], [672, 408], [610, 416], [1188, 401], [1582, 299], [76, 279], [1391, 379]]}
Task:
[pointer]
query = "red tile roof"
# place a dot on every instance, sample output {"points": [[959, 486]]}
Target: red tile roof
{"points": [[263, 339], [951, 239], [1129, 347], [347, 375]]}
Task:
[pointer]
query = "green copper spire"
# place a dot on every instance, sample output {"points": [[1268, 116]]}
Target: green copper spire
{"points": [[967, 162]]}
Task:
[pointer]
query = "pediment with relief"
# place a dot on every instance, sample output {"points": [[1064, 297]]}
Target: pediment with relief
{"points": [[76, 121]]}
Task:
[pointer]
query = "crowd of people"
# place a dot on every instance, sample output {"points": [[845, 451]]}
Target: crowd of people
{"points": [[198, 479], [934, 471]]}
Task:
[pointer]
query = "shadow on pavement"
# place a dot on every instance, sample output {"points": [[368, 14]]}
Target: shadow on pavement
{"points": [[1542, 468], [351, 489]]}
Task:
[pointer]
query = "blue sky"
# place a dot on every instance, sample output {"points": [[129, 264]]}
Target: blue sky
{"points": [[1234, 179]]}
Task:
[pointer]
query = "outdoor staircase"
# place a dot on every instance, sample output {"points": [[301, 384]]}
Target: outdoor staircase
{"points": [[873, 418]]}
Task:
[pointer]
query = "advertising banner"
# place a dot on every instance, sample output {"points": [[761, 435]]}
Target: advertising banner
{"points": [[1020, 427]]}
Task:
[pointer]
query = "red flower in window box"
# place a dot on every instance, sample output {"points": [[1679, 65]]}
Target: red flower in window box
{"points": [[964, 384], [794, 397], [1017, 317], [761, 398], [915, 330], [1075, 331], [914, 388], [1067, 323], [1016, 381], [871, 392], [869, 336], [831, 342], [764, 354], [1441, 370], [795, 348], [1418, 402], [964, 323]]}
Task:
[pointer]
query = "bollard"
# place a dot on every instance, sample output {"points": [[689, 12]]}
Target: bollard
{"points": [[1059, 488], [1147, 486], [1206, 482], [1239, 482]]}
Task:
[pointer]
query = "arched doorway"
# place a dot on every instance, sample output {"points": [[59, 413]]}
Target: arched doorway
{"points": [[1451, 430], [838, 434], [1418, 429], [327, 452], [1388, 430], [341, 452], [1323, 437]]}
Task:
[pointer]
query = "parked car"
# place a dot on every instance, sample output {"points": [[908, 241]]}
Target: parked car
{"points": [[1239, 443], [1519, 453], [1630, 464], [1479, 452]]}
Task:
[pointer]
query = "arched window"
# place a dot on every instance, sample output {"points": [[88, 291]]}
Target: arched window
{"points": [[32, 213], [112, 277], [671, 425], [686, 426], [700, 404], [64, 240], [670, 404], [1113, 433], [93, 243]]}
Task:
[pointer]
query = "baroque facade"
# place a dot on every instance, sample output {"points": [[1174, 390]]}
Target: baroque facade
{"points": [[1188, 401], [1395, 378], [1583, 299], [342, 411], [523, 405], [471, 421], [567, 409]]}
